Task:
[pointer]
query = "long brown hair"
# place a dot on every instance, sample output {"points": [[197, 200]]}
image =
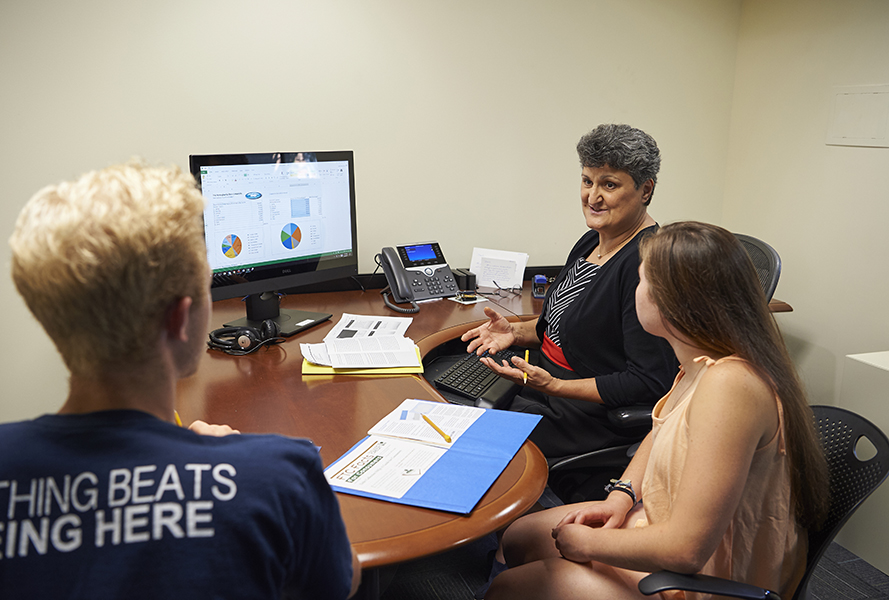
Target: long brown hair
{"points": [[706, 289]]}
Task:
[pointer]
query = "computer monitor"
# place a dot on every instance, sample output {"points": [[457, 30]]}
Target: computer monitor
{"points": [[275, 221]]}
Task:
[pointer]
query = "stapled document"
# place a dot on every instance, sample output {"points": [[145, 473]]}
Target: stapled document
{"points": [[365, 342]]}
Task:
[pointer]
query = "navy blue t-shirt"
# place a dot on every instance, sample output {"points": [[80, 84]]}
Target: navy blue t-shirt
{"points": [[120, 504]]}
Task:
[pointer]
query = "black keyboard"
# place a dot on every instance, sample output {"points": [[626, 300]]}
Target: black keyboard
{"points": [[469, 377]]}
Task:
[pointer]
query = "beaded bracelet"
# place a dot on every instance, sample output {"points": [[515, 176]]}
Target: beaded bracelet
{"points": [[624, 486]]}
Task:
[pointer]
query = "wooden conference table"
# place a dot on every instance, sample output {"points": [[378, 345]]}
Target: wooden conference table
{"points": [[265, 392]]}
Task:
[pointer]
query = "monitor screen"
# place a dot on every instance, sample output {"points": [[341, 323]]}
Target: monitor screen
{"points": [[278, 220]]}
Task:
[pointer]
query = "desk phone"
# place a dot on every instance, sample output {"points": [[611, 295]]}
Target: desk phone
{"points": [[416, 272]]}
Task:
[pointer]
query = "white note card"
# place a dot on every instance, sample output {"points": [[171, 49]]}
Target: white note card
{"points": [[498, 268]]}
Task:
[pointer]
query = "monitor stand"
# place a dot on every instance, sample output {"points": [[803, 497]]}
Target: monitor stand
{"points": [[268, 306]]}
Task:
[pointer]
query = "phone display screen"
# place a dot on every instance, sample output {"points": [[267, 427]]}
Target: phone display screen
{"points": [[423, 252], [420, 255]]}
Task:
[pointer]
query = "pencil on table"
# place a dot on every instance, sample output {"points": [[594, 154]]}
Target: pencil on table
{"points": [[446, 437]]}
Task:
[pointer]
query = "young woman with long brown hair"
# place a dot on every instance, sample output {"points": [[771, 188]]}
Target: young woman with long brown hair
{"points": [[732, 473]]}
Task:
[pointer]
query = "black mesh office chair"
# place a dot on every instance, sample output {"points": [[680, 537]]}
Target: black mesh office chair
{"points": [[765, 260], [852, 480], [583, 477]]}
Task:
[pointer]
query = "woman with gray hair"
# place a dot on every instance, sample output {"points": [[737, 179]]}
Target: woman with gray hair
{"points": [[594, 353]]}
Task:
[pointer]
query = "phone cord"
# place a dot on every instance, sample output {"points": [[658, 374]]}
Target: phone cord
{"points": [[407, 311]]}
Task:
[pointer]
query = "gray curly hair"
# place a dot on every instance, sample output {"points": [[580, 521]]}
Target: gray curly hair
{"points": [[623, 148]]}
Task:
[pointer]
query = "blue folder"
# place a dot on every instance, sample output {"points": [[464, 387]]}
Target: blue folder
{"points": [[459, 479]]}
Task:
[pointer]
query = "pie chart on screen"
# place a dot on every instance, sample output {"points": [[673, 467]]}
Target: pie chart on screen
{"points": [[290, 236], [231, 246]]}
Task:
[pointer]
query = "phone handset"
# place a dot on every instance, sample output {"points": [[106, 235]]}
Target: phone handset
{"points": [[416, 272], [396, 277]]}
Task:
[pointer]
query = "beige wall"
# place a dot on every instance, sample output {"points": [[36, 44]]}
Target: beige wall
{"points": [[824, 208], [463, 115]]}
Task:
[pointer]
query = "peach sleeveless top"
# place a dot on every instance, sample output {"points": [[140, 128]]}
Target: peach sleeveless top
{"points": [[763, 545]]}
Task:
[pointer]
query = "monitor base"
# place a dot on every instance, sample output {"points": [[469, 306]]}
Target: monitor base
{"points": [[261, 307], [289, 321]]}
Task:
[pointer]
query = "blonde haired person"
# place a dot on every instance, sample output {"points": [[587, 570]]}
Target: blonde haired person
{"points": [[732, 472], [108, 498], [99, 260]]}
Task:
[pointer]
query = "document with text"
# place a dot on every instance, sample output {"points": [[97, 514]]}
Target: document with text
{"points": [[498, 268], [364, 326], [384, 466], [432, 454], [361, 342], [428, 422], [402, 446]]}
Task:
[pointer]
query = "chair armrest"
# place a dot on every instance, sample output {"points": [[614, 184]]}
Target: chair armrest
{"points": [[638, 415], [662, 581], [617, 456]]}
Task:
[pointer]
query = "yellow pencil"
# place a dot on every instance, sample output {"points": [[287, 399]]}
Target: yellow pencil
{"points": [[178, 420], [446, 437], [525, 375]]}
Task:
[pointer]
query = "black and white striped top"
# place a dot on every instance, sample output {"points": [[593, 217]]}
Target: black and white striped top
{"points": [[575, 282]]}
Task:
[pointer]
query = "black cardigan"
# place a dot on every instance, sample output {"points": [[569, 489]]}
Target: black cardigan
{"points": [[601, 335]]}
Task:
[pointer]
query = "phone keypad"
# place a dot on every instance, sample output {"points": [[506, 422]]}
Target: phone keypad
{"points": [[440, 285]]}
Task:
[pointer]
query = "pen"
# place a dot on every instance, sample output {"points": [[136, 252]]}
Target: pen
{"points": [[446, 437], [178, 420], [525, 375]]}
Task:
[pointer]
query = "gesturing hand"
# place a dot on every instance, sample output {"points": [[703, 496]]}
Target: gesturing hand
{"points": [[495, 335], [515, 372]]}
